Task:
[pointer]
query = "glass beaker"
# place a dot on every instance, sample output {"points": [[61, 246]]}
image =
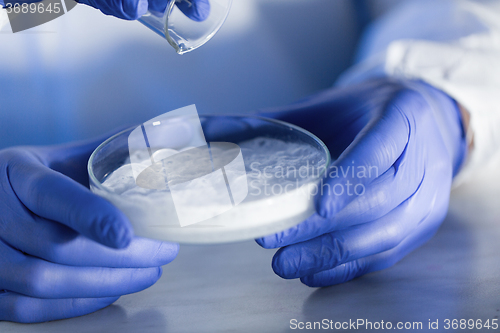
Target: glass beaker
{"points": [[183, 33]]}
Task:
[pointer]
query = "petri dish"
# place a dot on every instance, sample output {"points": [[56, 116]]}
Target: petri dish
{"points": [[282, 168], [184, 33]]}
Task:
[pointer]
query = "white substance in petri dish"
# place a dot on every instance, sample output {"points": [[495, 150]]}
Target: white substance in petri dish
{"points": [[281, 178]]}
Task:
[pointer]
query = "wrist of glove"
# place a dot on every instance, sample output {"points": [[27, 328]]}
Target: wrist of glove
{"points": [[397, 147], [64, 251]]}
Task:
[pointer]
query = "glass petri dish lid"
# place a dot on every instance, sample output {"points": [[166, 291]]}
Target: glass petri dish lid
{"points": [[271, 170]]}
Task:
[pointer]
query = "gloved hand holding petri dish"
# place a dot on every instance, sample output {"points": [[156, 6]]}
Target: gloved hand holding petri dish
{"points": [[211, 179]]}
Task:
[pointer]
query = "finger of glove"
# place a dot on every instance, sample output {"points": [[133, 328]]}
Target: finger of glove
{"points": [[353, 269], [196, 10], [24, 309], [34, 277], [427, 207], [333, 249], [124, 9], [56, 197], [70, 159], [378, 199], [373, 152], [59, 244]]}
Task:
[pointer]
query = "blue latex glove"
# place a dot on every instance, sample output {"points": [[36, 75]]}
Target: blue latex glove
{"points": [[64, 251], [410, 136], [197, 10]]}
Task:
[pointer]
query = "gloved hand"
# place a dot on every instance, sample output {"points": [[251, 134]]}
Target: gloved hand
{"points": [[64, 251], [398, 145], [197, 10]]}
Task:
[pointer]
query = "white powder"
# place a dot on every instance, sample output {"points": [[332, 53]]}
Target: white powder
{"points": [[280, 177]]}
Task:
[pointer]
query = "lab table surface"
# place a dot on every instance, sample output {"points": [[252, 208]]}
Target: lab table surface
{"points": [[232, 288]]}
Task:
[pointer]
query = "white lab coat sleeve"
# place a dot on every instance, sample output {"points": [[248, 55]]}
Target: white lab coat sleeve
{"points": [[453, 45]]}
